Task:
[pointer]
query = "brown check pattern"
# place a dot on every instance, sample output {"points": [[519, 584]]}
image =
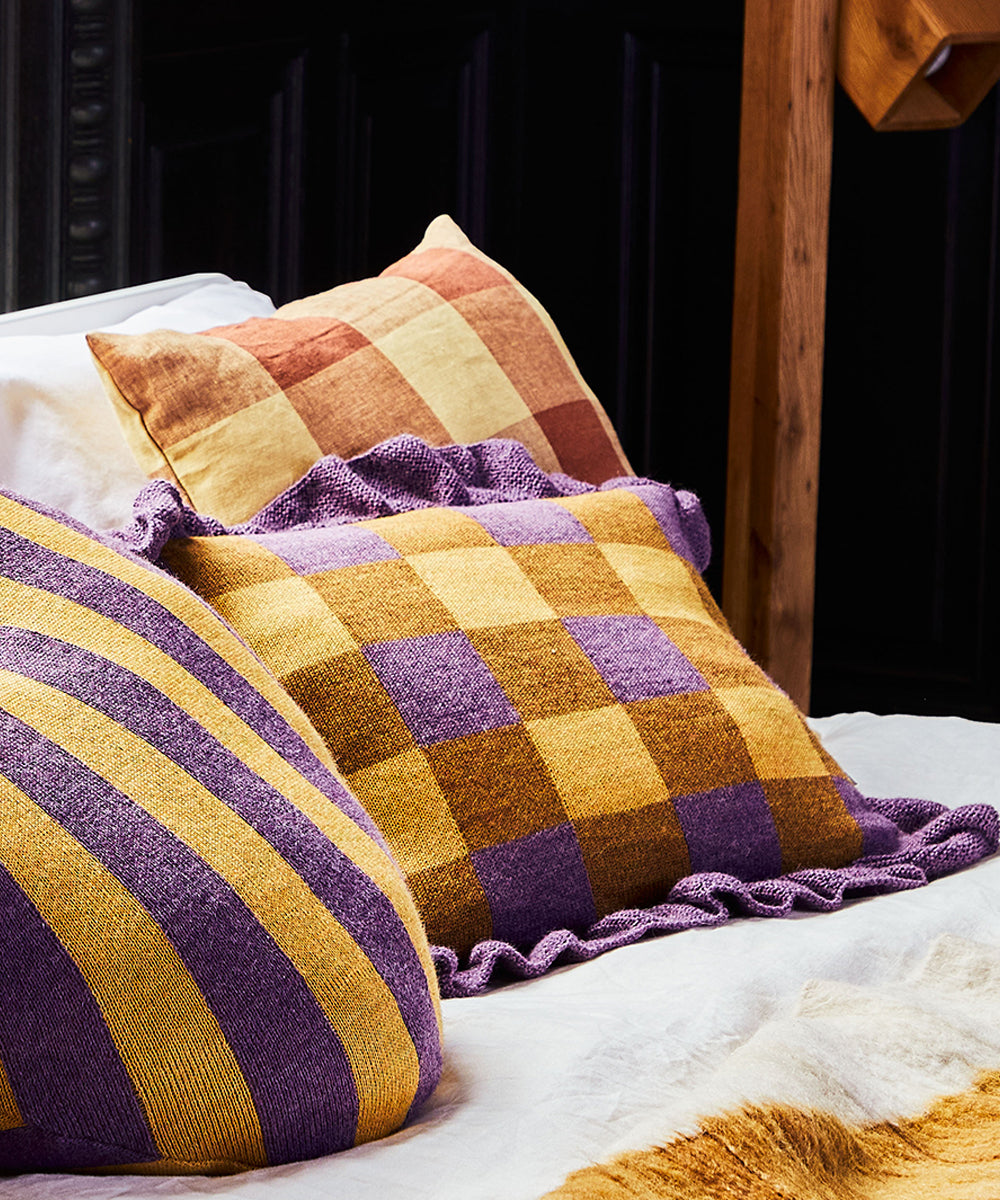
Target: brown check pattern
{"points": [[444, 344], [538, 702]]}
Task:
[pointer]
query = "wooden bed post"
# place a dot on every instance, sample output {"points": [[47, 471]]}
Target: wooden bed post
{"points": [[786, 143]]}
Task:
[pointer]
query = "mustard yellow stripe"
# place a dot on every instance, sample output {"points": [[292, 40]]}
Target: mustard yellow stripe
{"points": [[356, 1000], [196, 1099], [174, 597], [177, 1166], [10, 1114], [55, 616]]}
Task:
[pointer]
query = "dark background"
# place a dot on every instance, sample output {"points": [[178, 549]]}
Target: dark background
{"points": [[591, 148]]}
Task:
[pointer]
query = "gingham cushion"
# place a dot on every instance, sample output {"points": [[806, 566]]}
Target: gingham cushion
{"points": [[208, 959], [444, 344], [540, 705]]}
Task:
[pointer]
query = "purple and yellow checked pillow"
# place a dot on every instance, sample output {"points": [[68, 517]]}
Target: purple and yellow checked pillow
{"points": [[208, 959], [539, 703]]}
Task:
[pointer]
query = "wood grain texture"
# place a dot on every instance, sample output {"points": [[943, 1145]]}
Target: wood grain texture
{"points": [[777, 363], [886, 48]]}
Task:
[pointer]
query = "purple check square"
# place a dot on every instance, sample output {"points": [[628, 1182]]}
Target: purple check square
{"points": [[731, 829], [535, 884], [441, 686], [530, 523], [879, 834], [309, 551], [634, 657]]}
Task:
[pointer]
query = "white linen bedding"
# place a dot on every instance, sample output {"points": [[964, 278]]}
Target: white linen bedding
{"points": [[544, 1077]]}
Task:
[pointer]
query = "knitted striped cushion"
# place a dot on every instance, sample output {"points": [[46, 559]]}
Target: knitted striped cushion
{"points": [[209, 959], [444, 344]]}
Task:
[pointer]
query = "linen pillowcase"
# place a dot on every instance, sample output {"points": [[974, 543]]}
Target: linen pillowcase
{"points": [[210, 961], [59, 439], [444, 344], [539, 703]]}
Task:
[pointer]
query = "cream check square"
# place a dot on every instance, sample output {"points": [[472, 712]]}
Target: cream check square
{"points": [[776, 739], [218, 464], [372, 306], [286, 622], [598, 762], [474, 398], [481, 586]]}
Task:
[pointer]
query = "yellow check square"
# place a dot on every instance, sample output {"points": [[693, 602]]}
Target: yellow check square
{"points": [[422, 829], [287, 624], [659, 580], [598, 762], [481, 587], [473, 398], [776, 739]]}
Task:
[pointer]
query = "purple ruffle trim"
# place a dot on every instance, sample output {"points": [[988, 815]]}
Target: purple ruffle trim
{"points": [[935, 841], [398, 476]]}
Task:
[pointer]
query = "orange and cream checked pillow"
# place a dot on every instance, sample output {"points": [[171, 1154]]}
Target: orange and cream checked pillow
{"points": [[444, 344]]}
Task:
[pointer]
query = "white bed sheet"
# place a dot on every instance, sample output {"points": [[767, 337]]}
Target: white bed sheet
{"points": [[544, 1077]]}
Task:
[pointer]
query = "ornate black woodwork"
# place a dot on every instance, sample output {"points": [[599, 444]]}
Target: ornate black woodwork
{"points": [[67, 69]]}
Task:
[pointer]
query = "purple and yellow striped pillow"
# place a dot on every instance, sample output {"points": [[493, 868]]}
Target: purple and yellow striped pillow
{"points": [[209, 959]]}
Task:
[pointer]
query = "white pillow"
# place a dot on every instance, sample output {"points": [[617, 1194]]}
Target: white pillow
{"points": [[60, 442]]}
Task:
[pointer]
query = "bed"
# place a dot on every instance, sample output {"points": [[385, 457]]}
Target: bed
{"points": [[807, 1007]]}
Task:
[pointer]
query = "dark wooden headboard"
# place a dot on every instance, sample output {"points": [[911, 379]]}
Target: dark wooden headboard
{"points": [[593, 149]]}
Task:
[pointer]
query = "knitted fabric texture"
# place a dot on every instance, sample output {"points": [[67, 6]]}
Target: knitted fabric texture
{"points": [[209, 959], [544, 711], [396, 476], [444, 344]]}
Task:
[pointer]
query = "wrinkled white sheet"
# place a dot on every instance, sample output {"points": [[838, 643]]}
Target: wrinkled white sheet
{"points": [[547, 1076]]}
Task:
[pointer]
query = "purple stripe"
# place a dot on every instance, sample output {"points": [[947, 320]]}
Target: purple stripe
{"points": [[61, 1060], [32, 1149], [293, 1061], [351, 896], [26, 562]]}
